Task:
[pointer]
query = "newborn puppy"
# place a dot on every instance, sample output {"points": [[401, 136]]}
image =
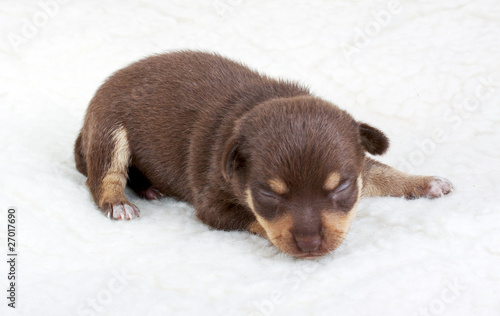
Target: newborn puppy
{"points": [[247, 151]]}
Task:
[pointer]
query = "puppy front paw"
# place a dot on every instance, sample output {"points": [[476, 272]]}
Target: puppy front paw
{"points": [[122, 211], [438, 187]]}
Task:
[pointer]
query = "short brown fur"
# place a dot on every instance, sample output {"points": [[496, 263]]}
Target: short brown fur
{"points": [[247, 151]]}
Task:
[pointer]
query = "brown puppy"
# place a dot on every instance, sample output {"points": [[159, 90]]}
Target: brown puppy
{"points": [[249, 152]]}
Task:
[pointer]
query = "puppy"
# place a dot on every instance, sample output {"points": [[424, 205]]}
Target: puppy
{"points": [[247, 151]]}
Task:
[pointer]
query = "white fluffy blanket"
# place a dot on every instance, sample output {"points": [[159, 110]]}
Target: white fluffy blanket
{"points": [[426, 73]]}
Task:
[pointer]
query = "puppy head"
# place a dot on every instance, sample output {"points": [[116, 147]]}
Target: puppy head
{"points": [[297, 164]]}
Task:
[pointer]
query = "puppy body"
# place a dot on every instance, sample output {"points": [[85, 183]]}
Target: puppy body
{"points": [[249, 152]]}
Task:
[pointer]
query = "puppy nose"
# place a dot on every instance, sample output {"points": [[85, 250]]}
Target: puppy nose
{"points": [[308, 243]]}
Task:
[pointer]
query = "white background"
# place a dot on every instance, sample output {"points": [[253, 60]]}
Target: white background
{"points": [[427, 73]]}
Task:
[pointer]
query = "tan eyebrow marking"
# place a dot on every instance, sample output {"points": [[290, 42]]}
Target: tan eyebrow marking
{"points": [[332, 181], [278, 186]]}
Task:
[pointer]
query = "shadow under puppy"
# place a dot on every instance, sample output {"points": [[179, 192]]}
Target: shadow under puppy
{"points": [[248, 151]]}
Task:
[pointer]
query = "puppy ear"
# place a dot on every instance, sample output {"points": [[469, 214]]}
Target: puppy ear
{"points": [[232, 159], [373, 140]]}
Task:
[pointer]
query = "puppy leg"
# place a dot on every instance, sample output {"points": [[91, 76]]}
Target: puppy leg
{"points": [[226, 217], [108, 159], [220, 213], [256, 228], [382, 180]]}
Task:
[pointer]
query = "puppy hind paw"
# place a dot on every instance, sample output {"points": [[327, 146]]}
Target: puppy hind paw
{"points": [[150, 193], [121, 211], [438, 187]]}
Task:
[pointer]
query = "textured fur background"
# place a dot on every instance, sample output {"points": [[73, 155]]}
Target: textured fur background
{"points": [[427, 74]]}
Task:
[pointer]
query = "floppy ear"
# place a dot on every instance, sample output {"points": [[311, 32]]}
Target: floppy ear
{"points": [[373, 140], [232, 159]]}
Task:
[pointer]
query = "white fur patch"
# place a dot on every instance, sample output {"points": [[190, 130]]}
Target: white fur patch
{"points": [[123, 211], [439, 186]]}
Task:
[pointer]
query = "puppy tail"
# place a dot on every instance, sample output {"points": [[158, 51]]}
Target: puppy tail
{"points": [[81, 162]]}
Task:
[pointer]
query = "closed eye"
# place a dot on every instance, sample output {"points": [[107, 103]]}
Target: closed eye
{"points": [[269, 194], [341, 187], [344, 195]]}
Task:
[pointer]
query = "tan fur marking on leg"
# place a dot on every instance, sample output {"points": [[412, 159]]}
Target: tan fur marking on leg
{"points": [[380, 179], [278, 186], [332, 181], [115, 180], [383, 180]]}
